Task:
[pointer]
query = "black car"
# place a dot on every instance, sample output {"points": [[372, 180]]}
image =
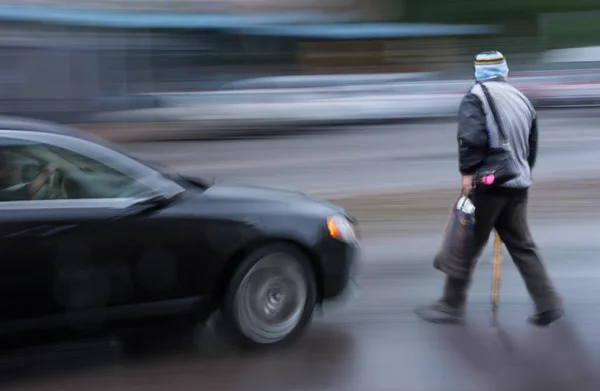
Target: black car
{"points": [[94, 240]]}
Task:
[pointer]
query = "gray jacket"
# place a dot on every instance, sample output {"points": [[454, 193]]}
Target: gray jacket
{"points": [[477, 130]]}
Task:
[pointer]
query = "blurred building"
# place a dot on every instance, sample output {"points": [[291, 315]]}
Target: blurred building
{"points": [[367, 9], [62, 63], [379, 47]]}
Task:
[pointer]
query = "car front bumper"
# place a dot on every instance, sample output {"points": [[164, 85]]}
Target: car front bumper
{"points": [[340, 263]]}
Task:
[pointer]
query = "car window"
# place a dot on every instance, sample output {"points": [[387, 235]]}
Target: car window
{"points": [[38, 171]]}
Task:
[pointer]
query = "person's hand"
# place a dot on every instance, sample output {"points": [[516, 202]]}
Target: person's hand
{"points": [[50, 169], [36, 185], [467, 184]]}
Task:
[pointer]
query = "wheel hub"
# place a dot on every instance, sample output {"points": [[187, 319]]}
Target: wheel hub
{"points": [[271, 299], [274, 301]]}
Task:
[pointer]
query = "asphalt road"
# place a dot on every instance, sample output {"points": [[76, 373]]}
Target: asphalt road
{"points": [[418, 155], [373, 342]]}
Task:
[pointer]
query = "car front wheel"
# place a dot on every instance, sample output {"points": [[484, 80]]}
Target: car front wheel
{"points": [[271, 297]]}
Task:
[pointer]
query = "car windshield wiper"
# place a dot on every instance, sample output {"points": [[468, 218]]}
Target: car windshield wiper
{"points": [[148, 204], [154, 202]]}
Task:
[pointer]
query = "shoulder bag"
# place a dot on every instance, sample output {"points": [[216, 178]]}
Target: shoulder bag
{"points": [[496, 169]]}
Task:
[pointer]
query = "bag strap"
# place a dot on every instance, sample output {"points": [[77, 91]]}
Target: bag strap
{"points": [[494, 111]]}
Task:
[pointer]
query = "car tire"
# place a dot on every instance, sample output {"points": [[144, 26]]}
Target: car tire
{"points": [[271, 297]]}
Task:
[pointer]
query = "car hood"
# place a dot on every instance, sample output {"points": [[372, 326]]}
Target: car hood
{"points": [[244, 193]]}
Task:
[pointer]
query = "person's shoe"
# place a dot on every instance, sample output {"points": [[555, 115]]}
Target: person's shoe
{"points": [[441, 312], [546, 318]]}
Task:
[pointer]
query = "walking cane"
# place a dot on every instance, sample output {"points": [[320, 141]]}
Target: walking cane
{"points": [[496, 279], [498, 260]]}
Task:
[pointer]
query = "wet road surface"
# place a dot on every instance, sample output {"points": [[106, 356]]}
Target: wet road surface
{"points": [[376, 157], [372, 342]]}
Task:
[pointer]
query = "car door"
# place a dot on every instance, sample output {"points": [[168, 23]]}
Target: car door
{"points": [[48, 265], [94, 255]]}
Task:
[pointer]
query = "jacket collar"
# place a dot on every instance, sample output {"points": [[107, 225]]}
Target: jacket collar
{"points": [[495, 78]]}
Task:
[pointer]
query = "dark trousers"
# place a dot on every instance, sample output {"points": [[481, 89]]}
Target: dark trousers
{"points": [[507, 214]]}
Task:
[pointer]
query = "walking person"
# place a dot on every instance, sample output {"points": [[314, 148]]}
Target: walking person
{"points": [[503, 207]]}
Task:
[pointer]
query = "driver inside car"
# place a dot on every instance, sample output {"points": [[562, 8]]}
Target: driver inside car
{"points": [[12, 188]]}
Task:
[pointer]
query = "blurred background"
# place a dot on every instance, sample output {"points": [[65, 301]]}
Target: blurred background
{"points": [[350, 100], [236, 64]]}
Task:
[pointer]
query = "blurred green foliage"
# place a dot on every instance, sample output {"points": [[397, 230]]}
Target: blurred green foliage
{"points": [[557, 23], [488, 11], [570, 29]]}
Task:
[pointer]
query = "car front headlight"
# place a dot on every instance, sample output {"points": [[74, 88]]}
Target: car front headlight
{"points": [[342, 229]]}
